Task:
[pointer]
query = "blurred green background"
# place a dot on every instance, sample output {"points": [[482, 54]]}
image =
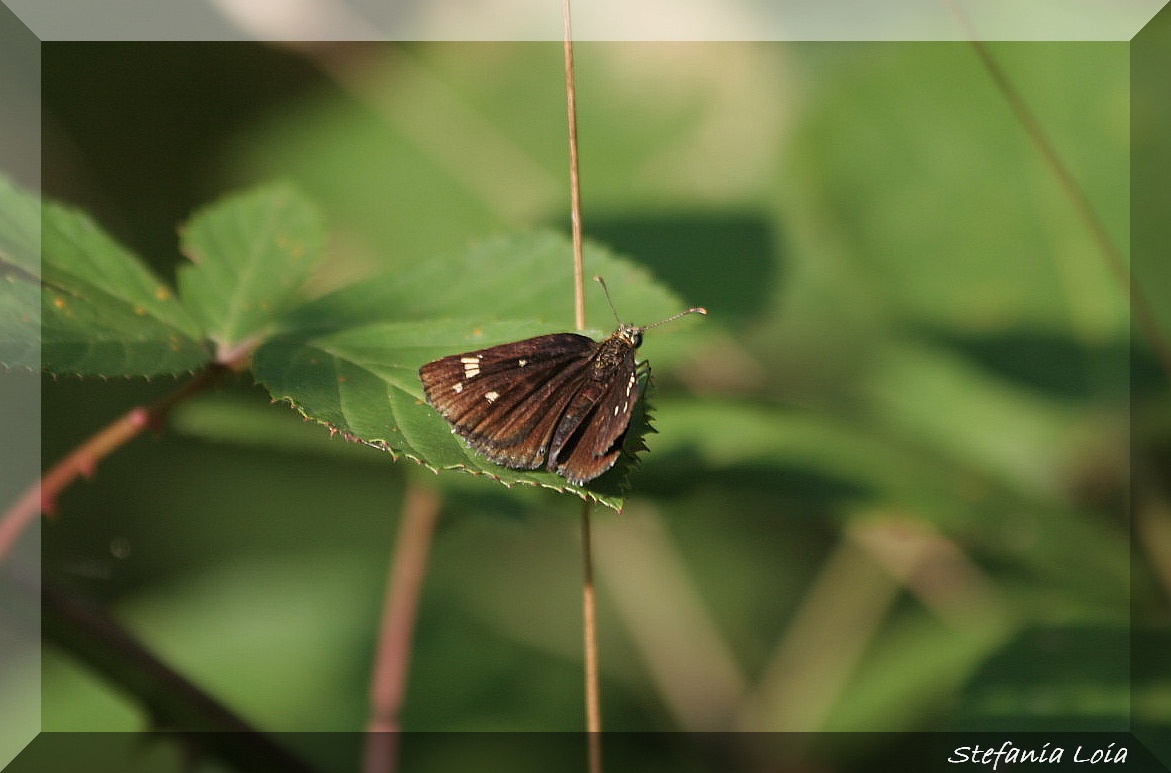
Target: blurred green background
{"points": [[890, 487]]}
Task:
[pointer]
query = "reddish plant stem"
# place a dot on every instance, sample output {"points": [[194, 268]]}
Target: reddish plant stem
{"points": [[42, 495], [593, 698], [392, 661]]}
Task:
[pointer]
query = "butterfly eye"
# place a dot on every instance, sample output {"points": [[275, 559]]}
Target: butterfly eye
{"points": [[637, 339]]}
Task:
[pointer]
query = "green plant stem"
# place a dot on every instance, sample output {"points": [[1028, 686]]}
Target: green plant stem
{"points": [[589, 599], [173, 702], [1109, 251], [404, 583], [574, 177], [42, 495]]}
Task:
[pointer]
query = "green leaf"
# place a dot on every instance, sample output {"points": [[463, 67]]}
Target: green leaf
{"points": [[916, 216], [273, 635], [519, 277], [1014, 435], [102, 311], [909, 665], [20, 238], [1071, 674], [251, 255], [20, 227], [725, 436], [354, 366], [225, 418]]}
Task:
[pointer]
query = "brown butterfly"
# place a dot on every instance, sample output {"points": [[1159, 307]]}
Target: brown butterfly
{"points": [[563, 401]]}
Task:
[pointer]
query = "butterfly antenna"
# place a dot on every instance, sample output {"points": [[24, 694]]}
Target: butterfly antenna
{"points": [[696, 310], [606, 290]]}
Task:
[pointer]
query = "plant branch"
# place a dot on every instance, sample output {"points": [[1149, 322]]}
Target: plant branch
{"points": [[42, 495], [171, 700], [1109, 251], [392, 661]]}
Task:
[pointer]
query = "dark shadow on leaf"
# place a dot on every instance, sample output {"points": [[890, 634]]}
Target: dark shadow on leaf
{"points": [[1039, 680], [1051, 362], [485, 501], [797, 489], [726, 261]]}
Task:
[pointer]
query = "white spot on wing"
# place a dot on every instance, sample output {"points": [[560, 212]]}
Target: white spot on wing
{"points": [[457, 388], [521, 363], [491, 396], [471, 366]]}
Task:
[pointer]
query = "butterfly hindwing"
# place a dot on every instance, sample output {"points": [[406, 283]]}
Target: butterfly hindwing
{"points": [[589, 439]]}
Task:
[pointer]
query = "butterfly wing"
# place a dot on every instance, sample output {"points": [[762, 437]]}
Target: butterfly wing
{"points": [[506, 400], [589, 437]]}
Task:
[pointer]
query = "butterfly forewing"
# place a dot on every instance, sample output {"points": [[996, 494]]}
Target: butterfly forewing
{"points": [[505, 400], [459, 383], [519, 436]]}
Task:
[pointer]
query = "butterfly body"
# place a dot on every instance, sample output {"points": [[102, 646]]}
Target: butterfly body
{"points": [[562, 401]]}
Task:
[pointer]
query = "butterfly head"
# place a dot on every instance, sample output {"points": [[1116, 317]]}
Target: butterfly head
{"points": [[631, 334]]}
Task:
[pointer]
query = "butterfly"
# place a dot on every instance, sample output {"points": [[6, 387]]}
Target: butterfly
{"points": [[562, 401]]}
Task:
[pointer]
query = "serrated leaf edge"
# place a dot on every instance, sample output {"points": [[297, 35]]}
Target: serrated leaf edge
{"points": [[584, 494]]}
